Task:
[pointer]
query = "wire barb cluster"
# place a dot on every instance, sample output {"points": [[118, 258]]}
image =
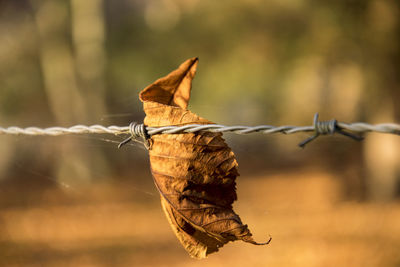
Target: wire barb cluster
{"points": [[327, 127], [352, 130], [137, 130]]}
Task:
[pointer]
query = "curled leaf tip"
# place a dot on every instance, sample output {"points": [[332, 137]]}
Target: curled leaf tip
{"points": [[174, 88], [263, 243]]}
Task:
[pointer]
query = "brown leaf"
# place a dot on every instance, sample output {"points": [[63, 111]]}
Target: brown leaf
{"points": [[194, 172]]}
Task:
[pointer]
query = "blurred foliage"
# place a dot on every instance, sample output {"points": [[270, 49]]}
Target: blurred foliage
{"points": [[78, 201], [261, 62]]}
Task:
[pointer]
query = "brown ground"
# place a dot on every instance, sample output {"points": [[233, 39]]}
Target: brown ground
{"points": [[121, 224]]}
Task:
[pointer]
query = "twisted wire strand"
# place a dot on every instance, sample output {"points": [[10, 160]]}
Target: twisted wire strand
{"points": [[357, 127], [361, 127], [56, 131], [216, 128]]}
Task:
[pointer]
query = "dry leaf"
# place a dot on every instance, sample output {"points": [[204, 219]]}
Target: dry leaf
{"points": [[194, 172]]}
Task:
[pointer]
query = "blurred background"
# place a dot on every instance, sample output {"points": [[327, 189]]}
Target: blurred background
{"points": [[79, 201]]}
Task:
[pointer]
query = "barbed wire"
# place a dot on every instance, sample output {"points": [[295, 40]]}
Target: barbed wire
{"points": [[353, 130], [56, 131]]}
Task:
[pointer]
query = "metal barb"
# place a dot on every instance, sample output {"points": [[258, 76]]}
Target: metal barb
{"points": [[327, 127], [137, 130]]}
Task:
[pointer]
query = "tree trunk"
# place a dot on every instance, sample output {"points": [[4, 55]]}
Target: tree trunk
{"points": [[74, 86]]}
